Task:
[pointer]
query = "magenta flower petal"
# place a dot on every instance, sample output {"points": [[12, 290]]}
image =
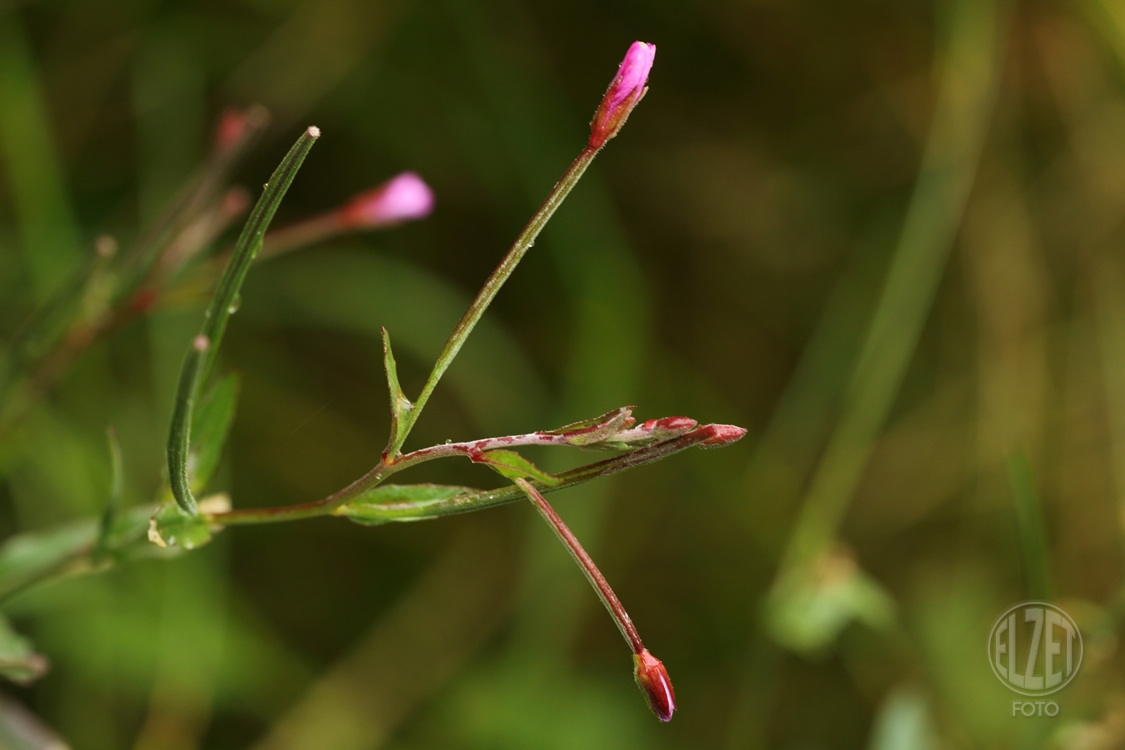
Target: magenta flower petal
{"points": [[626, 89], [403, 198]]}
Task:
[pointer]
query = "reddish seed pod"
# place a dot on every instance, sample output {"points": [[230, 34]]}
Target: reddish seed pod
{"points": [[652, 678]]}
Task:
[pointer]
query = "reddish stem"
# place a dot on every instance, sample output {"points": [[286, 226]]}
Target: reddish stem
{"points": [[597, 580]]}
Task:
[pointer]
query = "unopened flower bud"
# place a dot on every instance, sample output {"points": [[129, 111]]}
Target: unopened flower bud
{"points": [[722, 434], [669, 427], [402, 198], [652, 679], [623, 94]]}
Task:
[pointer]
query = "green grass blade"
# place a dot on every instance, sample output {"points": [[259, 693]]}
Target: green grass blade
{"points": [[971, 62], [1032, 531], [201, 354]]}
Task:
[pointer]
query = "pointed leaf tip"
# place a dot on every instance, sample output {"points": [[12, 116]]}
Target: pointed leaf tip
{"points": [[401, 406]]}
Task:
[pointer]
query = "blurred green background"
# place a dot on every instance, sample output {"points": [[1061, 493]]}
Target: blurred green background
{"points": [[884, 236]]}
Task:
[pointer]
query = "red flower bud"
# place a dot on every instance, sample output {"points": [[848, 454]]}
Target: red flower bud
{"points": [[722, 434], [652, 679], [623, 94]]}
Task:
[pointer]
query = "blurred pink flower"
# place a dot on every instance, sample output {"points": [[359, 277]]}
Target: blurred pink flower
{"points": [[237, 124], [402, 198], [623, 94]]}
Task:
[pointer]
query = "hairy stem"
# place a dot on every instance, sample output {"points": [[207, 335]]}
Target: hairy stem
{"points": [[488, 292], [413, 511], [612, 604]]}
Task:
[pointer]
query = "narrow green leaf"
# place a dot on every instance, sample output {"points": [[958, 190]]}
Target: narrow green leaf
{"points": [[205, 346], [27, 559], [172, 527], [210, 427], [18, 660], [400, 404], [376, 506], [514, 466]]}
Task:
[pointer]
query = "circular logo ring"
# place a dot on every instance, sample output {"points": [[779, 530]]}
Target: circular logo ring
{"points": [[1042, 623]]}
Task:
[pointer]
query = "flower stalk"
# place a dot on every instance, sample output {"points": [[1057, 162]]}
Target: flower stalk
{"points": [[403, 198], [625, 91], [492, 286], [346, 502], [649, 672]]}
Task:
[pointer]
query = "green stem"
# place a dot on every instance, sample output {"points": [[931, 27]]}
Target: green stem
{"points": [[201, 354], [488, 292], [426, 509]]}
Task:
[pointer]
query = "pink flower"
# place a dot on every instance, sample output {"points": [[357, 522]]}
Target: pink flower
{"points": [[402, 198], [652, 679], [623, 94]]}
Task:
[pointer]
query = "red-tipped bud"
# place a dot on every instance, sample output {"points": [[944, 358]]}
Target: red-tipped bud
{"points": [[403, 198], [623, 94], [652, 679], [722, 434]]}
